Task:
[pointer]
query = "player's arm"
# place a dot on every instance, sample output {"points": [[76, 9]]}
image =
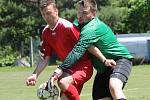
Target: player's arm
{"points": [[79, 49], [86, 40], [96, 52], [76, 53], [45, 53], [31, 80], [41, 66]]}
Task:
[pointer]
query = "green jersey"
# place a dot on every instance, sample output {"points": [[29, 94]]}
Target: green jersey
{"points": [[100, 35]]}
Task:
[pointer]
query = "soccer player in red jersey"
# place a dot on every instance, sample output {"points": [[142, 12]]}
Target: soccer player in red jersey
{"points": [[60, 36]]}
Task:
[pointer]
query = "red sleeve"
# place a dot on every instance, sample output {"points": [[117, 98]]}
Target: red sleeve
{"points": [[76, 33], [45, 47]]}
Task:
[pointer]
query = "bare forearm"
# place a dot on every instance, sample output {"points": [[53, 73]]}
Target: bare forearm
{"points": [[96, 52], [41, 66]]}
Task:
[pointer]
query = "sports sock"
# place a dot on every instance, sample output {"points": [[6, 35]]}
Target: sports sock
{"points": [[72, 93], [122, 99]]}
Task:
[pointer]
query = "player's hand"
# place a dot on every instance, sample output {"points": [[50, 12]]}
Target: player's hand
{"points": [[110, 63], [31, 80], [57, 73]]}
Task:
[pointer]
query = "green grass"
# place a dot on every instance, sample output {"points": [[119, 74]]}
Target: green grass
{"points": [[13, 87]]}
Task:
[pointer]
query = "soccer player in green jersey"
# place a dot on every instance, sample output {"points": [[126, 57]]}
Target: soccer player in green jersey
{"points": [[108, 83]]}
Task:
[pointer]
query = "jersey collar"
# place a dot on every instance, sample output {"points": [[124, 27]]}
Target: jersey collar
{"points": [[55, 25]]}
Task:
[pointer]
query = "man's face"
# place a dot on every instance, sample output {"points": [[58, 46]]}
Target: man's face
{"points": [[49, 13], [84, 14]]}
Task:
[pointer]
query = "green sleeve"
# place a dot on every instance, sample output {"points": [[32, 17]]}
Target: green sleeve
{"points": [[87, 39]]}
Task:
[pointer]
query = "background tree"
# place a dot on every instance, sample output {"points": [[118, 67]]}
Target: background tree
{"points": [[114, 13], [19, 21], [138, 19]]}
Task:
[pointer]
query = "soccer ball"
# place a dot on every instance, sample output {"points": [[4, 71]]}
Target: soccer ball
{"points": [[44, 92]]}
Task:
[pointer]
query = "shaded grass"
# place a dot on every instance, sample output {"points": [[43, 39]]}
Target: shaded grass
{"points": [[13, 87]]}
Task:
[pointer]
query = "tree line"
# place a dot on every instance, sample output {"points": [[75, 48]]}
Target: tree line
{"points": [[19, 21]]}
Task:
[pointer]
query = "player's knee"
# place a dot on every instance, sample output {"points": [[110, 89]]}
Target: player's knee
{"points": [[115, 85], [63, 85]]}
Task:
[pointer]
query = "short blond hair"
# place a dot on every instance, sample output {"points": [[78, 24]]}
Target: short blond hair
{"points": [[88, 3]]}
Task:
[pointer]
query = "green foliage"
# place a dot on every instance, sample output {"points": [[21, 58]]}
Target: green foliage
{"points": [[18, 22], [67, 9], [7, 56], [138, 19], [113, 16], [114, 13], [102, 3], [69, 14], [118, 3], [127, 16]]}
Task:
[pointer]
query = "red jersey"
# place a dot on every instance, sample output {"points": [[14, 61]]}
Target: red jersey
{"points": [[61, 39]]}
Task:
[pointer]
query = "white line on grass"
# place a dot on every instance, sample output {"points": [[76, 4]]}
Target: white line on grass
{"points": [[132, 89]]}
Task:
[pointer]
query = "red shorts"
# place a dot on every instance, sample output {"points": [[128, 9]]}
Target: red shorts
{"points": [[81, 72]]}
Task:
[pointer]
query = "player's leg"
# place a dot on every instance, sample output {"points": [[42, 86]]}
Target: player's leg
{"points": [[116, 88], [64, 95], [101, 87], [119, 77], [65, 80], [71, 85], [75, 77], [69, 91]]}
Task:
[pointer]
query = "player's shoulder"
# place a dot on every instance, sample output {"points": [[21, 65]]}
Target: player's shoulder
{"points": [[94, 24], [65, 23], [45, 28]]}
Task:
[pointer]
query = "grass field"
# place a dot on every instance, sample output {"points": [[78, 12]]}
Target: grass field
{"points": [[13, 87]]}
